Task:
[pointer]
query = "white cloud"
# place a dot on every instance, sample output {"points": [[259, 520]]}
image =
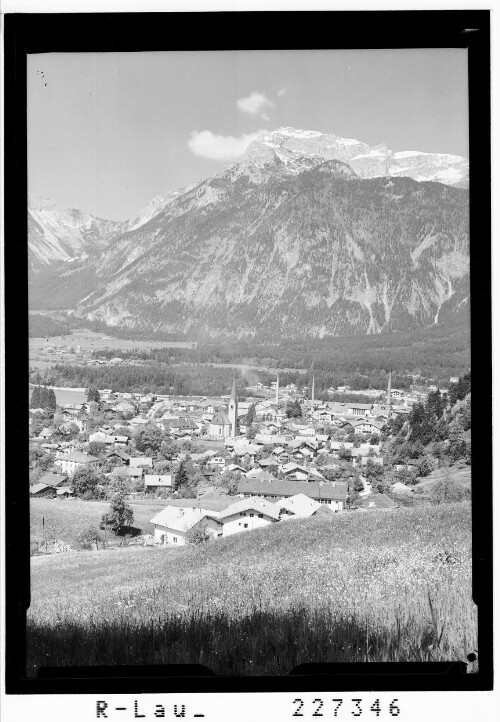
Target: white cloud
{"points": [[256, 104], [219, 147], [282, 91]]}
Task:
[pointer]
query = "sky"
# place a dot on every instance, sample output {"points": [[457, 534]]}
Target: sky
{"points": [[107, 132]]}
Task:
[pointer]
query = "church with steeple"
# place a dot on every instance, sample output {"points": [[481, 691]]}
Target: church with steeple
{"points": [[233, 411]]}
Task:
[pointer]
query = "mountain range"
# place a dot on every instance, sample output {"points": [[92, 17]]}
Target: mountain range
{"points": [[306, 234]]}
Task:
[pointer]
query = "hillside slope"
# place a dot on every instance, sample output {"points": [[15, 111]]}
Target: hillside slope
{"points": [[263, 602]]}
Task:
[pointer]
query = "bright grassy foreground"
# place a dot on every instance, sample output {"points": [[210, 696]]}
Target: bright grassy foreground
{"points": [[355, 587]]}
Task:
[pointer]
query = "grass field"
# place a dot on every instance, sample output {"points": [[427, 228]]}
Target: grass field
{"points": [[363, 586], [67, 518]]}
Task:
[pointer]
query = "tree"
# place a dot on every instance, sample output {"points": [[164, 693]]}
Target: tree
{"points": [[446, 490], [84, 482], [51, 402], [198, 534], [93, 394], [149, 439], [251, 432], [251, 415], [120, 515], [35, 398], [96, 448], [91, 536], [168, 449], [181, 478], [358, 484], [293, 409], [344, 453]]}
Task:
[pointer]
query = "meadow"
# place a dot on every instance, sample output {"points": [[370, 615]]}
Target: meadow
{"points": [[362, 586], [65, 519]]}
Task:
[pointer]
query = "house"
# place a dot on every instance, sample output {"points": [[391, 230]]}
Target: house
{"points": [[247, 514], [298, 506], [218, 461], [173, 524], [137, 461], [135, 472], [122, 457], [69, 463], [64, 492], [259, 474], [296, 471], [358, 409], [333, 494], [364, 426], [235, 467], [53, 479], [157, 481], [378, 501], [44, 490]]}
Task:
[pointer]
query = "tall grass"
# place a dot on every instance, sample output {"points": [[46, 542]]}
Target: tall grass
{"points": [[367, 586]]}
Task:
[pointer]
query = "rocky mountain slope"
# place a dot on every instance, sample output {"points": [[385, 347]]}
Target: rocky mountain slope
{"points": [[281, 245]]}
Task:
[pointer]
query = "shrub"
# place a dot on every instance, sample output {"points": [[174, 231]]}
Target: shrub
{"points": [[90, 537]]}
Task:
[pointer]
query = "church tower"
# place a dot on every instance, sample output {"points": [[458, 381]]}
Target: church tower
{"points": [[233, 411], [312, 397], [388, 401], [277, 389]]}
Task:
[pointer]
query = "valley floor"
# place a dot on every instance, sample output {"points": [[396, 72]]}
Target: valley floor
{"points": [[363, 586]]}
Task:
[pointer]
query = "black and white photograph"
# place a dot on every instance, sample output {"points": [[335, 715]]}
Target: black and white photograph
{"points": [[250, 406]]}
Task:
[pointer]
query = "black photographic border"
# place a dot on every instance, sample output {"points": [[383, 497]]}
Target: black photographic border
{"points": [[105, 32]]}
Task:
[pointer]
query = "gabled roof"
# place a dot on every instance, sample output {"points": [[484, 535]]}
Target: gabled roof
{"points": [[378, 501], [79, 457], [35, 488], [300, 505], [158, 480], [220, 418], [52, 479], [290, 487], [117, 452], [180, 519], [259, 505]]}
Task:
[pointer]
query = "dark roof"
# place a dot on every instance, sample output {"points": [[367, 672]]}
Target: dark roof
{"points": [[52, 479], [121, 454], [286, 487]]}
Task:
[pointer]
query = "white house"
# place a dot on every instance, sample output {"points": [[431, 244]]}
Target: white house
{"points": [[298, 506], [246, 515], [158, 481], [141, 461], [173, 524], [69, 463]]}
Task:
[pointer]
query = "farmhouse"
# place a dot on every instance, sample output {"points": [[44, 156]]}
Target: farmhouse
{"points": [[52, 479], [247, 514], [299, 505], [69, 463], [173, 524], [378, 501], [333, 494], [42, 490]]}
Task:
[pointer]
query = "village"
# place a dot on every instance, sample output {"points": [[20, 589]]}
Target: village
{"points": [[257, 459]]}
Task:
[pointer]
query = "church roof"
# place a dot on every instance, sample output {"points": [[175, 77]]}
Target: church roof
{"points": [[220, 418]]}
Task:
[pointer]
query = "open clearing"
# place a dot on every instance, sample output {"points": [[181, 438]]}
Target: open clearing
{"points": [[67, 518], [360, 586]]}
